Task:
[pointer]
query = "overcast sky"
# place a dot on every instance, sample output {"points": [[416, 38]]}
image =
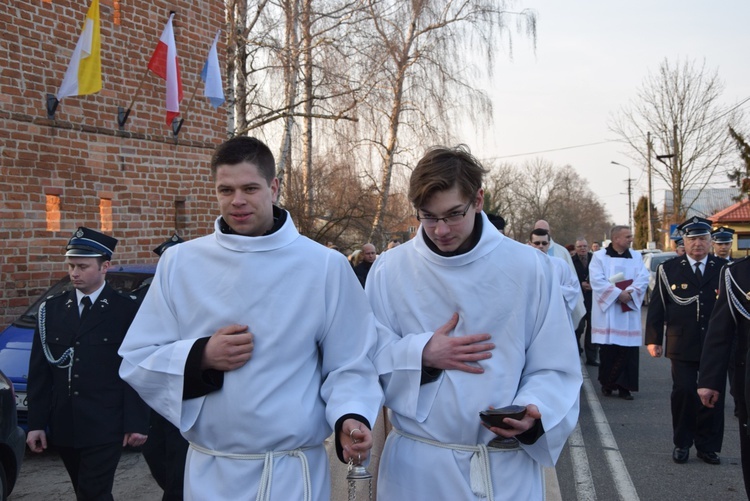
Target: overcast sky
{"points": [[591, 58]]}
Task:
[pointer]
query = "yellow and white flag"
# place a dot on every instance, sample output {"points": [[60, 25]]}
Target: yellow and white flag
{"points": [[84, 75]]}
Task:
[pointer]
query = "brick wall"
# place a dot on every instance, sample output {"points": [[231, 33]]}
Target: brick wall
{"points": [[152, 182]]}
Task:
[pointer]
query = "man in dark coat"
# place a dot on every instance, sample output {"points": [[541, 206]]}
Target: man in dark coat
{"points": [[369, 254], [166, 449], [730, 326], [581, 261], [77, 401], [686, 295]]}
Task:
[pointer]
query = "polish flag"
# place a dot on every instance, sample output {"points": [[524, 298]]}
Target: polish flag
{"points": [[164, 63]]}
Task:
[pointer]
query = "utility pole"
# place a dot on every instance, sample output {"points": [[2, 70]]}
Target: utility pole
{"points": [[650, 242], [630, 194]]}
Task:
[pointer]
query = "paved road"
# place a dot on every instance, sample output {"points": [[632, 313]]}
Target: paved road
{"points": [[621, 450], [624, 448]]}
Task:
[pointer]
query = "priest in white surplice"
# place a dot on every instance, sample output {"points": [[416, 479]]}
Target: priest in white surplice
{"points": [[256, 342], [619, 280], [507, 340]]}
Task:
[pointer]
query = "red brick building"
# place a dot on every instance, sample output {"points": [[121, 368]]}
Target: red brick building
{"points": [[138, 183]]}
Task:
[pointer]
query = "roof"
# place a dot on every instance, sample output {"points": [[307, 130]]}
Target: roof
{"points": [[735, 213], [703, 203]]}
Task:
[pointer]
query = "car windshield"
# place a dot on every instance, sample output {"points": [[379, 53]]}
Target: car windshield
{"points": [[657, 259], [122, 281]]}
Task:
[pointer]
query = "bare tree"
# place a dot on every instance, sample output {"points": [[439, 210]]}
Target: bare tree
{"points": [[680, 106], [425, 78], [539, 190]]}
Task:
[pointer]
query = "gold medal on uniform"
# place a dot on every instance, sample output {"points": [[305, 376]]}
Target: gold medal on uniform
{"points": [[747, 296], [683, 286], [674, 287]]}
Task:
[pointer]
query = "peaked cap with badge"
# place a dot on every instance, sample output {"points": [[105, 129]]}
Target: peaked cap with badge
{"points": [[722, 235], [86, 242], [695, 227], [173, 240]]}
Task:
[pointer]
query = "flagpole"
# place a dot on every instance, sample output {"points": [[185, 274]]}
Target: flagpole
{"points": [[122, 115], [176, 126]]}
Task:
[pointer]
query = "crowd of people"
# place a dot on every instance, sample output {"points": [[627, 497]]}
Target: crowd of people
{"points": [[254, 344]]}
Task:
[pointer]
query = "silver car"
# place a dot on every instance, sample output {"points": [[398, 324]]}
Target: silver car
{"points": [[652, 261]]}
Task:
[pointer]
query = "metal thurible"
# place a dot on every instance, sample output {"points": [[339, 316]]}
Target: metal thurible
{"points": [[358, 472]]}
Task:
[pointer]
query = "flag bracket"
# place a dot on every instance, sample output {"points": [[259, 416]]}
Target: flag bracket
{"points": [[177, 125], [52, 103], [122, 116]]}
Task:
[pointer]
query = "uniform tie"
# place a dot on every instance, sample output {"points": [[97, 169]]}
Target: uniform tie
{"points": [[698, 270], [86, 302]]}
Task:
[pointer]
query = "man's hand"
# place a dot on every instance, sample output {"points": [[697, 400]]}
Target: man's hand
{"points": [[654, 350], [134, 439], [624, 297], [229, 348], [586, 286], [518, 427], [36, 440], [708, 396], [445, 352], [356, 441]]}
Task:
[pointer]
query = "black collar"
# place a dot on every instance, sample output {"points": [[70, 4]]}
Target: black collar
{"points": [[473, 239], [611, 252], [279, 218]]}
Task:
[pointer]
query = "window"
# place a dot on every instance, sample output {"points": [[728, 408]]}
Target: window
{"points": [[180, 216], [53, 212], [105, 214], [743, 241]]}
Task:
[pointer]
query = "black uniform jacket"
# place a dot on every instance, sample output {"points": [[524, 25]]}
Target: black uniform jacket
{"points": [[686, 325], [582, 272], [95, 407], [727, 323]]}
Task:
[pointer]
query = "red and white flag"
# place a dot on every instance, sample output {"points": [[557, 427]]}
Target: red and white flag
{"points": [[164, 63]]}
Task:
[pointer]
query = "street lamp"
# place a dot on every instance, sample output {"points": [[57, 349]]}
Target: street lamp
{"points": [[630, 194]]}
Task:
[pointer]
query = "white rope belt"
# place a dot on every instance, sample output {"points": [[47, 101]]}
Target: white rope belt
{"points": [[479, 470], [264, 489]]}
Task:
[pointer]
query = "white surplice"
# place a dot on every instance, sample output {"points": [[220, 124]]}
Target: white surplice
{"points": [[609, 324], [314, 337], [500, 287]]}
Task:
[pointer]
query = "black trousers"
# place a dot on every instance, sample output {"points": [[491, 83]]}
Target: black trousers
{"points": [[692, 423], [92, 470], [584, 328], [165, 452], [745, 450]]}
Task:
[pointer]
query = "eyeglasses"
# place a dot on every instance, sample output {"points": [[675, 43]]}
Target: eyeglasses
{"points": [[537, 244], [451, 219]]}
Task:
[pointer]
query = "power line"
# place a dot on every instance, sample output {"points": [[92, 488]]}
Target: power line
{"points": [[555, 149]]}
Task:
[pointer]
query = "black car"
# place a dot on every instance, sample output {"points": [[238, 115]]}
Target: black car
{"points": [[12, 439]]}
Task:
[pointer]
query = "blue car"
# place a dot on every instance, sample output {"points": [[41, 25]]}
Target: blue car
{"points": [[12, 439], [15, 340]]}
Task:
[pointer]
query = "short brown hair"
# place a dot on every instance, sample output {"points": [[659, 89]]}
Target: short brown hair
{"points": [[241, 149], [441, 169]]}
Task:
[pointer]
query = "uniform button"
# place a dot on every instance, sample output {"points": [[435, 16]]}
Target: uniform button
{"points": [[78, 343], [57, 339], [75, 393], [78, 359], [75, 375], [105, 339]]}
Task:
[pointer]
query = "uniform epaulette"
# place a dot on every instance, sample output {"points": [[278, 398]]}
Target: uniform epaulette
{"points": [[57, 294]]}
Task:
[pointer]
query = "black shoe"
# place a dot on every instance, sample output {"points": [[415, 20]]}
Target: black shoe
{"points": [[606, 392], [680, 455], [709, 457], [625, 395], [592, 364]]}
